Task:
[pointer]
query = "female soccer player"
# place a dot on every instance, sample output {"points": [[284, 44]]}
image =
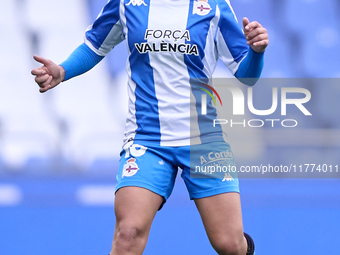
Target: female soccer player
{"points": [[172, 45]]}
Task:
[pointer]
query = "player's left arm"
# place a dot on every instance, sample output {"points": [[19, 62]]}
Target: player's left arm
{"points": [[242, 51], [250, 68]]}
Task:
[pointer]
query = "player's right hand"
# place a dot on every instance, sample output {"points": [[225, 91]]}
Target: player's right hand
{"points": [[49, 75]]}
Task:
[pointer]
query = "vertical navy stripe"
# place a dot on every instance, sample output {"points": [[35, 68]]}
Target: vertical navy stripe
{"points": [[198, 27], [231, 32], [147, 114]]}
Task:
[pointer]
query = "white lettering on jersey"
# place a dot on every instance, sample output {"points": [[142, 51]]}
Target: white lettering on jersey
{"points": [[183, 48], [166, 46], [167, 34]]}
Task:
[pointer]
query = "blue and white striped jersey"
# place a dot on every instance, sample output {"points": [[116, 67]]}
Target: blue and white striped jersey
{"points": [[169, 42]]}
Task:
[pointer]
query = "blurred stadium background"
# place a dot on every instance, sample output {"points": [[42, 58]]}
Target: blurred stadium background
{"points": [[59, 151]]}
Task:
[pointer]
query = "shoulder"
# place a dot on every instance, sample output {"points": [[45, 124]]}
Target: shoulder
{"points": [[226, 10], [224, 5], [112, 5]]}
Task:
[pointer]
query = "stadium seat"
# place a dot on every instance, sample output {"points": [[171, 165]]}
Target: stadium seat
{"points": [[327, 92], [81, 122], [277, 59], [321, 53], [104, 165], [27, 127], [94, 117], [306, 15], [317, 25], [260, 10], [115, 60], [64, 123], [3, 168], [83, 107]]}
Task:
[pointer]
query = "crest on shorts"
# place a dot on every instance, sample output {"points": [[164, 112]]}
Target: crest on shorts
{"points": [[201, 7], [228, 177], [130, 168]]}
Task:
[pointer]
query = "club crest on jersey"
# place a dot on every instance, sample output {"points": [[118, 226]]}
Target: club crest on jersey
{"points": [[201, 7], [130, 168], [136, 2]]}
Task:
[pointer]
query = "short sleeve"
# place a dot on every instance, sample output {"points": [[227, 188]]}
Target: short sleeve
{"points": [[230, 40], [106, 31]]}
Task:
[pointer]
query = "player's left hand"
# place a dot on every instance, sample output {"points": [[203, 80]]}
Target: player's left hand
{"points": [[256, 35]]}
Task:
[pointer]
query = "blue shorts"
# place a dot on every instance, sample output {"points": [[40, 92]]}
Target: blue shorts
{"points": [[207, 169]]}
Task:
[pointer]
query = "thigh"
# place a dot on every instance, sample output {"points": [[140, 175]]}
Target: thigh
{"points": [[136, 206], [135, 209], [222, 218]]}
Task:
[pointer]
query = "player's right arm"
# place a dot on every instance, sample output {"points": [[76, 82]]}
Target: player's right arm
{"points": [[100, 38], [49, 75]]}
